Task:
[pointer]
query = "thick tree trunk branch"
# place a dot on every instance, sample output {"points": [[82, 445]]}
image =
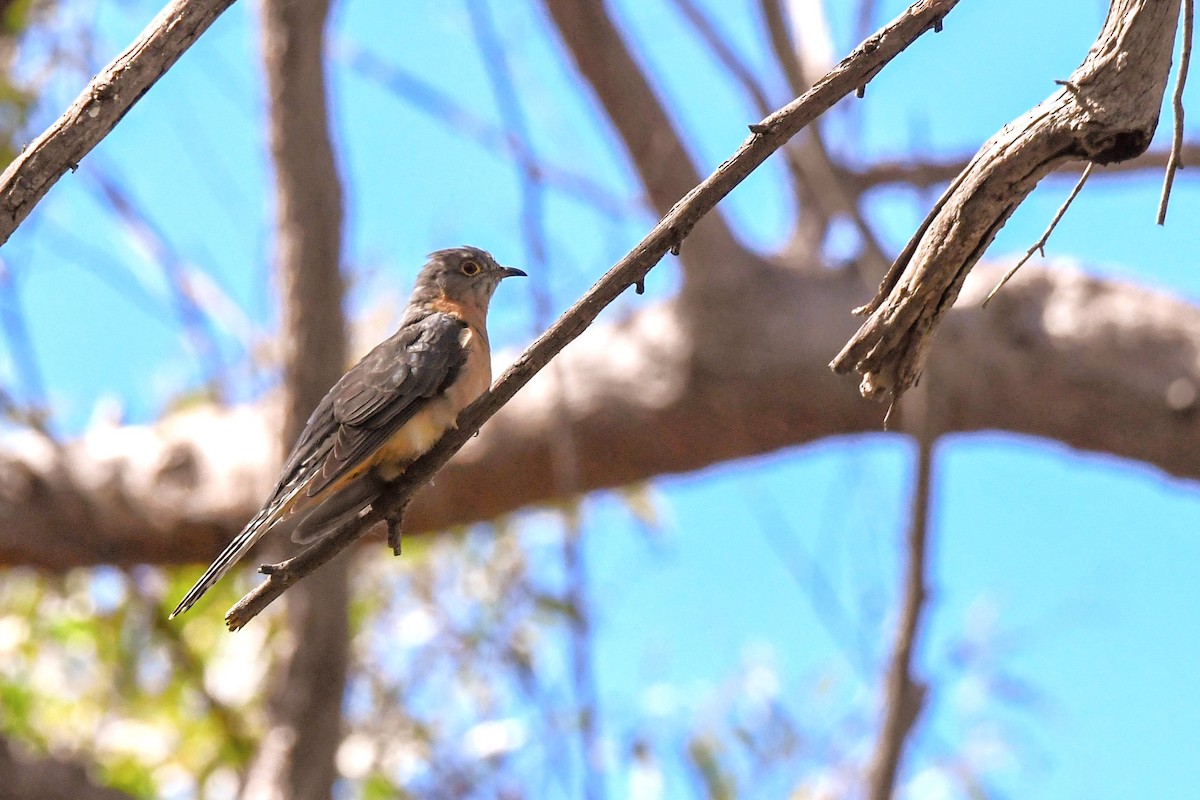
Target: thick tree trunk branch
{"points": [[101, 106], [1107, 111], [296, 760], [1056, 355]]}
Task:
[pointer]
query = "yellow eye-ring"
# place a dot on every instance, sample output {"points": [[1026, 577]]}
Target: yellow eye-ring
{"points": [[470, 268]]}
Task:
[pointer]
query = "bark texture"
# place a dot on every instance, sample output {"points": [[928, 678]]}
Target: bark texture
{"points": [[101, 105], [708, 377], [296, 757], [1106, 111]]}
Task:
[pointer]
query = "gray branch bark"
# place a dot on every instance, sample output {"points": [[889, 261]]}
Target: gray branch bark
{"points": [[101, 106], [767, 136], [1106, 111]]}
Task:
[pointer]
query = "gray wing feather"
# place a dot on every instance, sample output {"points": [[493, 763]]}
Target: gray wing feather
{"points": [[362, 410], [374, 399]]}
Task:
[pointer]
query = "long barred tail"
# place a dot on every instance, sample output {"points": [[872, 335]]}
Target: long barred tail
{"points": [[229, 556]]}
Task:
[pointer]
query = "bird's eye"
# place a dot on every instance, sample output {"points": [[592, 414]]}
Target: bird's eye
{"points": [[470, 268]]}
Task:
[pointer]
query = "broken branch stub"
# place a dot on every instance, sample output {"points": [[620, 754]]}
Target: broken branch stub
{"points": [[1106, 112]]}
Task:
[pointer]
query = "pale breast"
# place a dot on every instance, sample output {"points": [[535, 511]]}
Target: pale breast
{"points": [[475, 376], [427, 426]]}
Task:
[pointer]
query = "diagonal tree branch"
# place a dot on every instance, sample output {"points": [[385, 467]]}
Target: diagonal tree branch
{"points": [[101, 106], [767, 137]]}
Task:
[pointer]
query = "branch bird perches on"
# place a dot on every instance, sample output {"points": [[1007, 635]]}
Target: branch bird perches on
{"points": [[767, 136]]}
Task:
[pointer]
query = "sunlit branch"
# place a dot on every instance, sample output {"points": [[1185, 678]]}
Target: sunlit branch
{"points": [[667, 236], [1106, 111], [101, 105]]}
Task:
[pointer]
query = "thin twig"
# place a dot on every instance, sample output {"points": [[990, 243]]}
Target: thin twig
{"points": [[101, 106], [1175, 163], [814, 174], [15, 326], [198, 327], [464, 121], [857, 68], [1040, 244], [1130, 58], [904, 695], [917, 173], [517, 129], [583, 672], [813, 581], [724, 53]]}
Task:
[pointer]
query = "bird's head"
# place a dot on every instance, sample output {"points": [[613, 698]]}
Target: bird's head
{"points": [[461, 275]]}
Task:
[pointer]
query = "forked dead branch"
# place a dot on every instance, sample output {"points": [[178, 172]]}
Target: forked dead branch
{"points": [[1105, 112]]}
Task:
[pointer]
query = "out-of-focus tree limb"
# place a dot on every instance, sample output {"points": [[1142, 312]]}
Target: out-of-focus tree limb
{"points": [[655, 146], [903, 693], [820, 191], [924, 174], [25, 777], [101, 106], [461, 119], [1057, 355], [295, 760]]}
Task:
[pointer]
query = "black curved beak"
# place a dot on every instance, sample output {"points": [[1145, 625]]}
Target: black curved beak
{"points": [[512, 272]]}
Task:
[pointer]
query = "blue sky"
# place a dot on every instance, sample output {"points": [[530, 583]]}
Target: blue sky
{"points": [[1068, 578]]}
